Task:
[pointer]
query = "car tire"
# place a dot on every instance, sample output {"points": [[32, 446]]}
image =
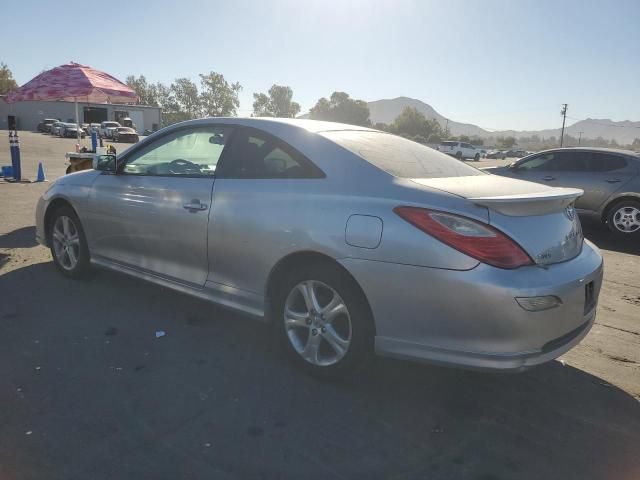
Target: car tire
{"points": [[623, 218], [476, 158], [459, 155], [326, 345], [68, 243]]}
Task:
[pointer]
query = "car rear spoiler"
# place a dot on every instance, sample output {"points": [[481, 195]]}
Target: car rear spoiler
{"points": [[519, 205]]}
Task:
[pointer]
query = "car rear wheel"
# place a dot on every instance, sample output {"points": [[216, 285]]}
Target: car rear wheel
{"points": [[477, 157], [68, 243], [323, 321], [459, 155], [624, 218]]}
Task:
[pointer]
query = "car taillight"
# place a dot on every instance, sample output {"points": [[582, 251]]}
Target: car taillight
{"points": [[478, 240]]}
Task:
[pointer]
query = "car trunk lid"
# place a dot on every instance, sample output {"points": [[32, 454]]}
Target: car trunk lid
{"points": [[540, 218]]}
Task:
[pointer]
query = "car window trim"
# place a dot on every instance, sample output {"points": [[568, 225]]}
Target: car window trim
{"points": [[298, 156]]}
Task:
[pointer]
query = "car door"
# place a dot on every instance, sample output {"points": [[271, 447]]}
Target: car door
{"points": [[541, 168], [607, 172], [153, 214], [261, 202]]}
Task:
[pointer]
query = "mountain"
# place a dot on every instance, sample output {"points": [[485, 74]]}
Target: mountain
{"points": [[624, 132], [385, 111]]}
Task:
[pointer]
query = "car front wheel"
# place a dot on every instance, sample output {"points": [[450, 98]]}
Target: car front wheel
{"points": [[624, 218], [477, 157], [323, 321], [68, 243]]}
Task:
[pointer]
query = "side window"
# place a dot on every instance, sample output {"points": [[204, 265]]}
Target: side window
{"points": [[192, 152], [573, 161], [254, 154], [539, 163], [606, 162]]}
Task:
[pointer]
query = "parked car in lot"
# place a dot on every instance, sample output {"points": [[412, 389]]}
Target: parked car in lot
{"points": [[45, 124], [460, 150], [515, 153], [93, 127], [125, 134], [610, 180], [107, 129], [496, 154], [55, 128], [70, 130], [328, 232]]}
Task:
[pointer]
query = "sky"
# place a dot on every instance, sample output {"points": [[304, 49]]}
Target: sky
{"points": [[500, 64]]}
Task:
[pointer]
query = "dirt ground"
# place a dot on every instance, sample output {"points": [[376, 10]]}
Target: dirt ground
{"points": [[88, 391]]}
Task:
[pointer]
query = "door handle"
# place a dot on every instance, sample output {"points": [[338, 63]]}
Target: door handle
{"points": [[548, 178], [613, 180], [195, 206]]}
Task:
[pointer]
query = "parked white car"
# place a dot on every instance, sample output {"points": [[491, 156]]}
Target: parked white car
{"points": [[107, 129], [460, 150]]}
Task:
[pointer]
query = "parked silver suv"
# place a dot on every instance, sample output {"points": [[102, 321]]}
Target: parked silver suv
{"points": [[610, 180]]}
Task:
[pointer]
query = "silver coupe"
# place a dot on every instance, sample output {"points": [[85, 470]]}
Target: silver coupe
{"points": [[350, 241]]}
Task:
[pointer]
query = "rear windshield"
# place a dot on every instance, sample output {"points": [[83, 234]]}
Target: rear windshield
{"points": [[400, 157]]}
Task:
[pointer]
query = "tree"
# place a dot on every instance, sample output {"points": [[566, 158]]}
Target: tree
{"points": [[278, 103], [506, 142], [7, 83], [147, 92], [171, 112], [436, 138], [218, 98], [185, 93], [412, 123], [341, 108]]}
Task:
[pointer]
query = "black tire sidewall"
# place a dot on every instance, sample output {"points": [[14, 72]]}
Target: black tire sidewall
{"points": [[612, 211], [82, 267], [361, 347]]}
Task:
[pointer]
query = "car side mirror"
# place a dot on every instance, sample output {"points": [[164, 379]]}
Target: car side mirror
{"points": [[105, 163]]}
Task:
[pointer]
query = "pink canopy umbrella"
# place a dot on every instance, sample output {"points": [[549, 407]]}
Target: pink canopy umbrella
{"points": [[74, 82]]}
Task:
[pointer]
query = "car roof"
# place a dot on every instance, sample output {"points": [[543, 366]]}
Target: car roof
{"points": [[594, 149], [269, 123]]}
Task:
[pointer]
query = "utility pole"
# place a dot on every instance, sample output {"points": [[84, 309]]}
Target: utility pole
{"points": [[563, 112], [580, 137], [446, 129]]}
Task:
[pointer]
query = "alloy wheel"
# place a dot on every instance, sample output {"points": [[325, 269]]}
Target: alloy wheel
{"points": [[66, 242], [317, 323]]}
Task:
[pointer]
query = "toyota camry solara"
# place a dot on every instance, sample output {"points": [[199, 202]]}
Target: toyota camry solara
{"points": [[350, 241]]}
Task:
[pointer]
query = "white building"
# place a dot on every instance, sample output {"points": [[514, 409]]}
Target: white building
{"points": [[29, 114]]}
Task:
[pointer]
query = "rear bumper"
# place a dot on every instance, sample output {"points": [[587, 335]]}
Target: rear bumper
{"points": [[506, 362], [471, 318]]}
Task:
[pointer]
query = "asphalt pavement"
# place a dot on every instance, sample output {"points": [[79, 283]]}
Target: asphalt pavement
{"points": [[89, 391]]}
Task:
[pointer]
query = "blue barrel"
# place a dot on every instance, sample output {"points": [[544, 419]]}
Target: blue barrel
{"points": [[94, 140]]}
